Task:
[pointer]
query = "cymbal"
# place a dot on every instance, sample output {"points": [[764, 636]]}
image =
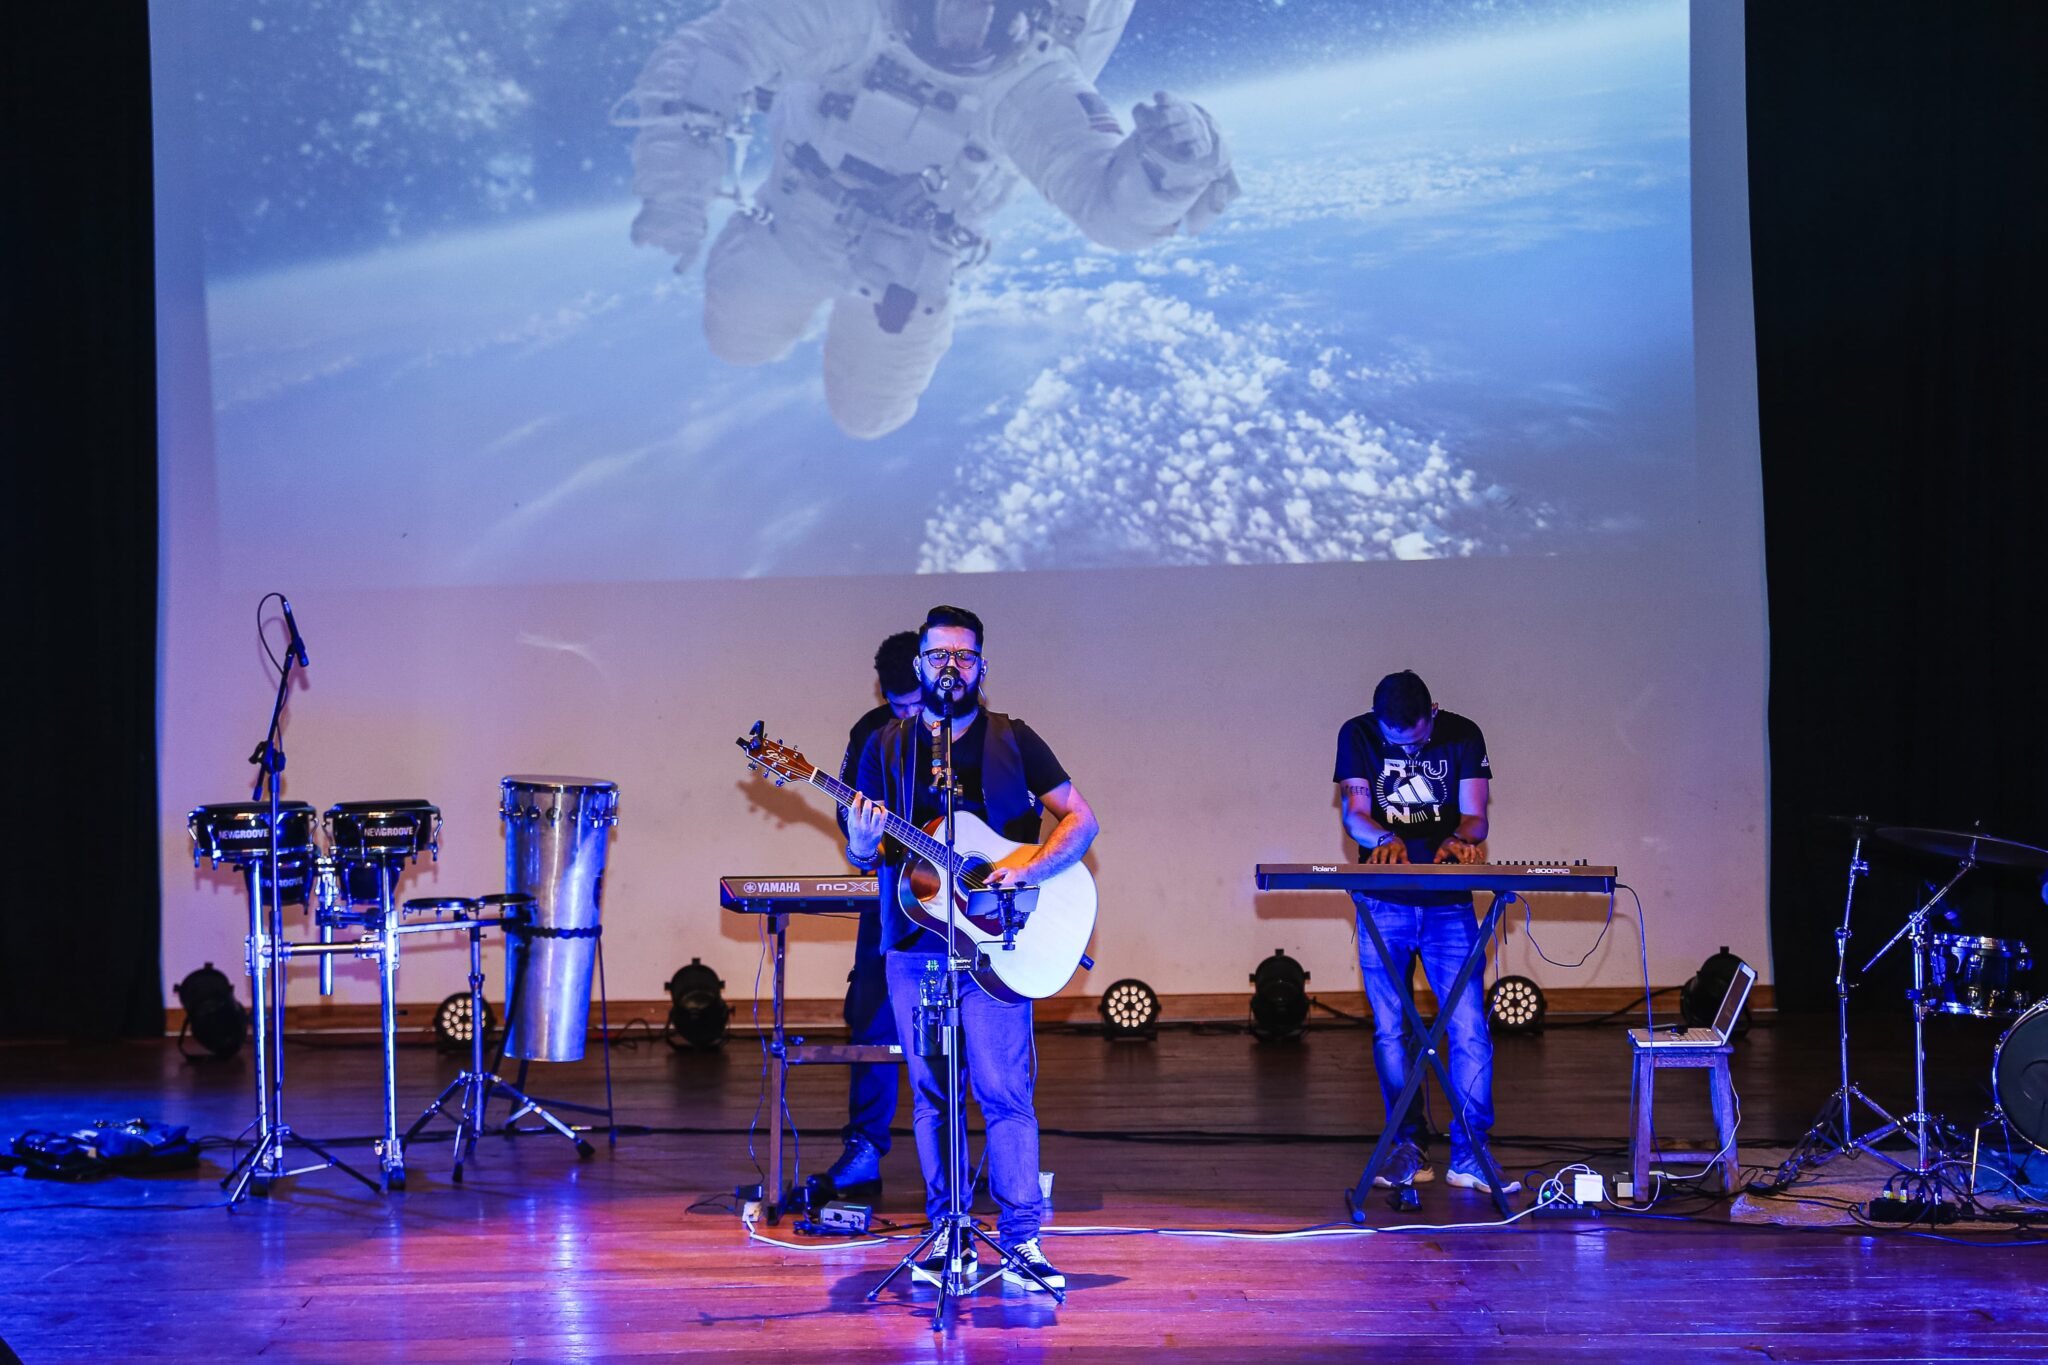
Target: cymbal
{"points": [[1952, 843]]}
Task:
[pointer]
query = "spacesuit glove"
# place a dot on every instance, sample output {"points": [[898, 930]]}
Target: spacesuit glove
{"points": [[676, 174], [1210, 203], [1180, 144]]}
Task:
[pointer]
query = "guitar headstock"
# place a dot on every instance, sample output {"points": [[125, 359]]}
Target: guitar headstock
{"points": [[774, 758]]}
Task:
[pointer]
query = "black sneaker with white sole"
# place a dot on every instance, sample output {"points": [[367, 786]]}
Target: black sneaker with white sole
{"points": [[1029, 1253], [932, 1269]]}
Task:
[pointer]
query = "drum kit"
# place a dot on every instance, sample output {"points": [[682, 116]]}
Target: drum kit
{"points": [[557, 833], [344, 868], [1953, 974]]}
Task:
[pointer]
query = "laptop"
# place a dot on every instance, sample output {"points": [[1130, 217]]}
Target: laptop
{"points": [[1732, 1001]]}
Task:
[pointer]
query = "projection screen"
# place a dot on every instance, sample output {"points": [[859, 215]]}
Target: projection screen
{"points": [[1456, 375]]}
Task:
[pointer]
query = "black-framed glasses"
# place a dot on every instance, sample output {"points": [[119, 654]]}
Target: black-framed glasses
{"points": [[939, 658]]}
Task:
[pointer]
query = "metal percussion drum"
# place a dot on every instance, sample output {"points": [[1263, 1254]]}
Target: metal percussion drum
{"points": [[363, 831], [557, 832], [1976, 976], [2019, 1076], [239, 831]]}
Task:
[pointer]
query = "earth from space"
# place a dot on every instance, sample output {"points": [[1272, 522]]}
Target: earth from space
{"points": [[1450, 315]]}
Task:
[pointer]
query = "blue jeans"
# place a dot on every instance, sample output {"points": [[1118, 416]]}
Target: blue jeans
{"points": [[871, 1088], [1442, 936], [999, 1061]]}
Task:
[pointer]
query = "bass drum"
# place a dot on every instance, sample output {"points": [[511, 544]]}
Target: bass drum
{"points": [[2019, 1076]]}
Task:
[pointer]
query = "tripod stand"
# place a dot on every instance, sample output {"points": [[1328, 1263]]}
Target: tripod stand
{"points": [[939, 1016], [1833, 1132], [478, 1083], [267, 1160], [1930, 1182]]}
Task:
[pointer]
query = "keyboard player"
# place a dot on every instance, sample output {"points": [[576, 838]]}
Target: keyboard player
{"points": [[1414, 780]]}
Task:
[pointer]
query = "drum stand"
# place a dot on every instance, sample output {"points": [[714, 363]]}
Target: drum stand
{"points": [[1821, 1144], [479, 1083], [961, 1274], [1924, 1178], [266, 1161]]}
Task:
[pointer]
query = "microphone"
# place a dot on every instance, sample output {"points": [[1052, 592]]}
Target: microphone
{"points": [[297, 644], [949, 679]]}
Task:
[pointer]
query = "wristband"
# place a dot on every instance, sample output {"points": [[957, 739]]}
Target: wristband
{"points": [[867, 864]]}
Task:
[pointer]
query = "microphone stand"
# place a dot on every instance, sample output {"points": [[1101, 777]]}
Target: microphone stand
{"points": [[265, 1162]]}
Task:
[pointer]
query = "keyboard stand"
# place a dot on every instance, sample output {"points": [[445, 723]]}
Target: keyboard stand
{"points": [[782, 1055], [1429, 1048]]}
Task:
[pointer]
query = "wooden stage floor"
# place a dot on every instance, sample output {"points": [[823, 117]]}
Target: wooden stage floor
{"points": [[539, 1257]]}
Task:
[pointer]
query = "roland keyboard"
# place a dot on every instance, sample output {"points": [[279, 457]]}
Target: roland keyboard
{"points": [[787, 895], [1375, 878]]}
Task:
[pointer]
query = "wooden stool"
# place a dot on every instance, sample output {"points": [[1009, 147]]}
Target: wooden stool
{"points": [[1642, 1146]]}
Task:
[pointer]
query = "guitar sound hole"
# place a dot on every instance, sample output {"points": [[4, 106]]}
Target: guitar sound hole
{"points": [[974, 872]]}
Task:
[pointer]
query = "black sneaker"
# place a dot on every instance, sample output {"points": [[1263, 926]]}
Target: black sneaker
{"points": [[1405, 1166], [1029, 1253], [932, 1269], [859, 1166]]}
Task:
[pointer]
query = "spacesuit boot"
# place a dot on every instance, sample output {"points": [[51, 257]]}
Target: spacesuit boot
{"points": [[875, 377]]}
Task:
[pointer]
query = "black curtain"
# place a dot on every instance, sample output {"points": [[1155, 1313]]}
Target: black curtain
{"points": [[1896, 160], [80, 916]]}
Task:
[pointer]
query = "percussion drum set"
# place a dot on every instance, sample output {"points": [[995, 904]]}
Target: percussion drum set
{"points": [[1953, 974], [556, 841], [557, 834]]}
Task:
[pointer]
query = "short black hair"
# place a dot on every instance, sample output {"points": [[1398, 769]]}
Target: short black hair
{"points": [[892, 663], [1401, 700], [958, 617]]}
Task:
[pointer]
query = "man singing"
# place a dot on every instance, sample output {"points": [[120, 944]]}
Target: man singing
{"points": [[1007, 776], [871, 1087], [1414, 779]]}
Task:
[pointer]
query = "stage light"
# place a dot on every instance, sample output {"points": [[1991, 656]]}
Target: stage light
{"points": [[212, 1014], [1700, 997], [1515, 1004], [697, 1012], [452, 1023], [1130, 1009], [1279, 998]]}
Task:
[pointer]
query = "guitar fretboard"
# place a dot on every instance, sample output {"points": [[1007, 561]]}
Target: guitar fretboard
{"points": [[894, 825]]}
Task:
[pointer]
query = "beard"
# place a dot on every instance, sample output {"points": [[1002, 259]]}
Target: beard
{"points": [[964, 698]]}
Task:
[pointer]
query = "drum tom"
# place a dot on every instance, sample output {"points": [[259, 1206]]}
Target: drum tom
{"points": [[2019, 1076], [239, 831], [1976, 976], [557, 835], [366, 830]]}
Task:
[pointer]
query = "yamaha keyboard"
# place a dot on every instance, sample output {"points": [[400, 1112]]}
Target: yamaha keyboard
{"points": [[787, 895], [1375, 878], [776, 898]]}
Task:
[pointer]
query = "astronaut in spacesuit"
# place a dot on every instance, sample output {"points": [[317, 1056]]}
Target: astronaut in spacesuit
{"points": [[900, 127]]}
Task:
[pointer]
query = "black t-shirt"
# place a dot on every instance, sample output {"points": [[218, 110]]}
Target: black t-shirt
{"points": [[1042, 773], [1042, 770], [1415, 796], [856, 741]]}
